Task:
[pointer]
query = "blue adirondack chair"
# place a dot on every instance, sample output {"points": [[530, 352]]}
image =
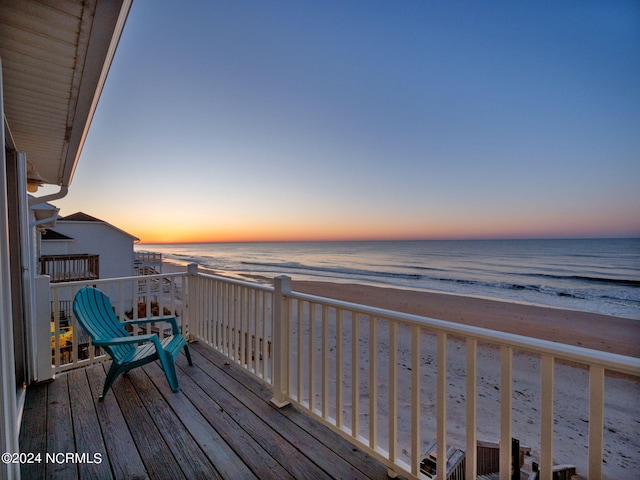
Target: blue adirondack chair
{"points": [[94, 312]]}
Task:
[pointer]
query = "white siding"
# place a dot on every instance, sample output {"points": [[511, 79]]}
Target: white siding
{"points": [[114, 246], [55, 247]]}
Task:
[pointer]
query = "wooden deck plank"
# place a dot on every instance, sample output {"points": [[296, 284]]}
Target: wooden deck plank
{"points": [[59, 430], [89, 442], [225, 460], [154, 451], [121, 449], [184, 448], [246, 447], [33, 432], [322, 456], [371, 467], [286, 454], [221, 425]]}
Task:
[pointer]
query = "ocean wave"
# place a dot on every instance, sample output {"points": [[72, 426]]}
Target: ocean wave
{"points": [[332, 270], [439, 282], [601, 276], [625, 282]]}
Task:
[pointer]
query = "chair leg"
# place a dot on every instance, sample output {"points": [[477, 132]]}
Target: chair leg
{"points": [[113, 373], [169, 366], [186, 352]]}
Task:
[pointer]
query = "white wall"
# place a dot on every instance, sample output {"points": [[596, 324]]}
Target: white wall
{"points": [[54, 247], [114, 246]]}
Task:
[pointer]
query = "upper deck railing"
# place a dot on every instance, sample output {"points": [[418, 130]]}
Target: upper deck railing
{"points": [[70, 268], [379, 378]]}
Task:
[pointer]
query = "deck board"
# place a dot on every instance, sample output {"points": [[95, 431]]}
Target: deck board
{"points": [[226, 462], [332, 464], [256, 426], [221, 425], [86, 428], [152, 446], [59, 430], [122, 453], [33, 436]]}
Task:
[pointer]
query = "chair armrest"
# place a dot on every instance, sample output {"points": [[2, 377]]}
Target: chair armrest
{"points": [[172, 320], [125, 340]]}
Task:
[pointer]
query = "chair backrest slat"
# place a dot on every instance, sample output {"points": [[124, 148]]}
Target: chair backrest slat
{"points": [[95, 314]]}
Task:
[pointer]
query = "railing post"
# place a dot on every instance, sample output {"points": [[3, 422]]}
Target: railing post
{"points": [[189, 310], [280, 376], [42, 326], [596, 420]]}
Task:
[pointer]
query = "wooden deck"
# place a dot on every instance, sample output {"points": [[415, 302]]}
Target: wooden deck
{"points": [[221, 425]]}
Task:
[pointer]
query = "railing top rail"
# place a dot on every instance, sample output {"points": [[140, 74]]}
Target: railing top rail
{"points": [[118, 279], [611, 361], [68, 255]]}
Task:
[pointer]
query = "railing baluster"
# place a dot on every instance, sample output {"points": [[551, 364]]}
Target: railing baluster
{"points": [[373, 382], [415, 400], [355, 374], [219, 317], [596, 420], [300, 363], [393, 390], [148, 312], [209, 303], [289, 307], [506, 377], [339, 367], [204, 325], [266, 359], [312, 355], [471, 455], [441, 403], [325, 362], [56, 330], [251, 336], [242, 330], [230, 320], [75, 337], [224, 318], [546, 416]]}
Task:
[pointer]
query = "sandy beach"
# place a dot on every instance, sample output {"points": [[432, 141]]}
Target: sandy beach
{"points": [[600, 332], [572, 327]]}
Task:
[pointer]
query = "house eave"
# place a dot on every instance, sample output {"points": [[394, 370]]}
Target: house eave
{"points": [[55, 61]]}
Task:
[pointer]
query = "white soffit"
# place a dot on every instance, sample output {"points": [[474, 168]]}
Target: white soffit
{"points": [[55, 58]]}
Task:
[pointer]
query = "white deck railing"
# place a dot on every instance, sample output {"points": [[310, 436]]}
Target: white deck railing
{"points": [[347, 365], [131, 297]]}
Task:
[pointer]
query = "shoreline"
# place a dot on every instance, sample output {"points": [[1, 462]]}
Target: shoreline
{"points": [[596, 331]]}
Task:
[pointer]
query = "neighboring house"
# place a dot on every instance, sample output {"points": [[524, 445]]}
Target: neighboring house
{"points": [[82, 247], [54, 61]]}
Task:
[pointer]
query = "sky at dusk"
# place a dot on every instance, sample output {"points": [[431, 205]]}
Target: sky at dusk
{"points": [[300, 120]]}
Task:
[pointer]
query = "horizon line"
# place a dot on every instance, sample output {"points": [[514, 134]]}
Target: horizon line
{"points": [[452, 239]]}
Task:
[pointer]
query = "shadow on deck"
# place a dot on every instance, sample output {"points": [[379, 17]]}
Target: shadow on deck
{"points": [[221, 425]]}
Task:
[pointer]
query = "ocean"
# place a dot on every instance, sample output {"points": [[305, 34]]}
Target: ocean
{"points": [[595, 275]]}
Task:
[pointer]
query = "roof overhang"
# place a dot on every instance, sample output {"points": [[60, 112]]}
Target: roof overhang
{"points": [[55, 59]]}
